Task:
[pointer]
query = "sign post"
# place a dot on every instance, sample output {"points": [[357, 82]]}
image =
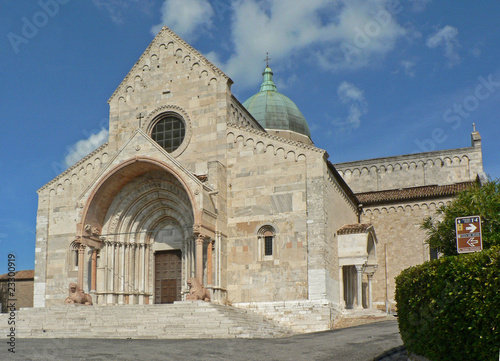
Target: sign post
{"points": [[468, 234]]}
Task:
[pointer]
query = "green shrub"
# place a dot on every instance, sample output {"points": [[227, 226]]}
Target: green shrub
{"points": [[478, 200], [449, 309]]}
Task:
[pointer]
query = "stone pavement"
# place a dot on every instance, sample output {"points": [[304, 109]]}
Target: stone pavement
{"points": [[363, 343]]}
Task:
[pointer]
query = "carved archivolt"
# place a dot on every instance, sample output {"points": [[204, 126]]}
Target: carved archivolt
{"points": [[148, 203]]}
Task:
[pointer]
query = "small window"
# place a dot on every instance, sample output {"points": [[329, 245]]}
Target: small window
{"points": [[169, 132], [266, 235], [268, 245], [75, 252], [434, 254]]}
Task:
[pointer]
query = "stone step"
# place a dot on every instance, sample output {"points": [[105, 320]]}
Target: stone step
{"points": [[178, 320]]}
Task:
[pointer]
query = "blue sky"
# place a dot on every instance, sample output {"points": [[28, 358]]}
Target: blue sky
{"points": [[373, 78]]}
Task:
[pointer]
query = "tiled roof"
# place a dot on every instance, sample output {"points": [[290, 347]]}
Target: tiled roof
{"points": [[354, 228], [431, 191], [20, 275]]}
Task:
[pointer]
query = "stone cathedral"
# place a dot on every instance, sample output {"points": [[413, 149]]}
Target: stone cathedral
{"points": [[194, 184]]}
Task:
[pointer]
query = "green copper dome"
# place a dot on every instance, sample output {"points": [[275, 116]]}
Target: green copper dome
{"points": [[274, 110]]}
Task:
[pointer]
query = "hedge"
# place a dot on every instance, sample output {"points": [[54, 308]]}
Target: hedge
{"points": [[449, 309]]}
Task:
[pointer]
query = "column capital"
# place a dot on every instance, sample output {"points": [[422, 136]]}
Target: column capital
{"points": [[371, 269], [200, 238], [359, 267]]}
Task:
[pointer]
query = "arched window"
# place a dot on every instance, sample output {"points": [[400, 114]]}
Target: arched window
{"points": [[267, 235], [73, 257], [169, 132], [268, 243]]}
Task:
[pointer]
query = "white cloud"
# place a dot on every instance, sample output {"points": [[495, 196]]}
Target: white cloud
{"points": [[419, 5], [353, 97], [336, 34], [408, 67], [348, 92], [213, 57], [116, 8], [85, 146], [447, 38], [185, 17]]}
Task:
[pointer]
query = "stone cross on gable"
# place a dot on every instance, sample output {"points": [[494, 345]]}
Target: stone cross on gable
{"points": [[140, 116]]}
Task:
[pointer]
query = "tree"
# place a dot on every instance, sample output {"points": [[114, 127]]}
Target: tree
{"points": [[478, 200]]}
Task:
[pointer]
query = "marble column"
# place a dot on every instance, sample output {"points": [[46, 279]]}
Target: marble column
{"points": [[359, 286], [199, 258], [106, 266], [112, 270], [94, 271], [81, 265], [209, 263], [370, 278]]}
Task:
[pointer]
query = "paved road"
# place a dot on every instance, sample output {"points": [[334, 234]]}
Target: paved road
{"points": [[361, 343]]}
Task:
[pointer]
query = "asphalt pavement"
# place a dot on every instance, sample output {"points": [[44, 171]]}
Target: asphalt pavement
{"points": [[362, 343]]}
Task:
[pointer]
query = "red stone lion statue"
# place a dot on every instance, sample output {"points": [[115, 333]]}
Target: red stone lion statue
{"points": [[197, 291], [77, 296]]}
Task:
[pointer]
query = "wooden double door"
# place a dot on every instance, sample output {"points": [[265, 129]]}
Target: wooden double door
{"points": [[168, 276]]}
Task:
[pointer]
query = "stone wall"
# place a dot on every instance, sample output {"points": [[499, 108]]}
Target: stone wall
{"points": [[301, 316], [266, 187], [289, 186], [400, 239], [328, 208], [340, 209], [411, 170]]}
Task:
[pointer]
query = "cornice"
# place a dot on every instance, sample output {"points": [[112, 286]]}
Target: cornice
{"points": [[76, 165]]}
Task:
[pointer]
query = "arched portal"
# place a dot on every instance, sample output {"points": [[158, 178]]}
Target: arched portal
{"points": [[147, 231], [139, 221]]}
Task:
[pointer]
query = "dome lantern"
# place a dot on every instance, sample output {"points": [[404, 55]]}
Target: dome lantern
{"points": [[276, 112]]}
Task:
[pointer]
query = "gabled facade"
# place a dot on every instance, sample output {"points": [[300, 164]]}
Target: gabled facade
{"points": [[191, 185]]}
